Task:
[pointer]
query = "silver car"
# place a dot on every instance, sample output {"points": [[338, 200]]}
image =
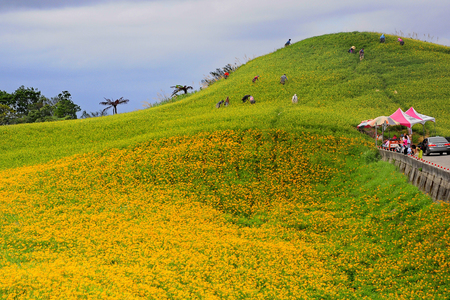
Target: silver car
{"points": [[435, 144]]}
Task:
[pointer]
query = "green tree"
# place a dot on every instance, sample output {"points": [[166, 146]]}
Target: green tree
{"points": [[27, 105], [6, 114], [26, 99], [64, 106], [6, 98], [34, 116]]}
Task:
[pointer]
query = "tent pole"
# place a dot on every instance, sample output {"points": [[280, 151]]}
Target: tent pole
{"points": [[384, 129], [376, 137]]}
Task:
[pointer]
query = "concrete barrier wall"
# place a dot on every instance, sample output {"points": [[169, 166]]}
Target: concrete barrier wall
{"points": [[430, 179]]}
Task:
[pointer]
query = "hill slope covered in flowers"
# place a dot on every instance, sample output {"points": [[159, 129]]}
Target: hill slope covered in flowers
{"points": [[272, 200]]}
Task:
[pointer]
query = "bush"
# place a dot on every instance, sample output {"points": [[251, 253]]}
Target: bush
{"points": [[371, 156]]}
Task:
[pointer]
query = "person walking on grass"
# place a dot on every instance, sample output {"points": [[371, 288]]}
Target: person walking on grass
{"points": [[283, 79], [361, 54], [294, 99], [287, 43], [382, 38]]}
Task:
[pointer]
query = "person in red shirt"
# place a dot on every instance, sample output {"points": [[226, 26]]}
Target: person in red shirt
{"points": [[226, 75]]}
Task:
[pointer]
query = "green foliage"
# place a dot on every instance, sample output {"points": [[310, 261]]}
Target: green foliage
{"points": [[6, 99], [27, 105], [65, 107], [6, 114], [371, 156], [27, 99], [93, 114], [218, 74]]}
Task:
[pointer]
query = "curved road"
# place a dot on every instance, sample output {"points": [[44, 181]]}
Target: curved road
{"points": [[442, 160]]}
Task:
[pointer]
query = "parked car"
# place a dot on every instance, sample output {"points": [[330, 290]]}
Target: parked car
{"points": [[435, 144]]}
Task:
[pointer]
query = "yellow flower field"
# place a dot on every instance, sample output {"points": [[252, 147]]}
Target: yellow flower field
{"points": [[153, 222], [230, 214]]}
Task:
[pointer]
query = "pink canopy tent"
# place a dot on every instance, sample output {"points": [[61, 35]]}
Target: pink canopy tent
{"points": [[403, 119], [413, 113], [424, 118]]}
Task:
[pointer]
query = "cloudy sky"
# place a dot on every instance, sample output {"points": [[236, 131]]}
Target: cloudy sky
{"points": [[138, 48]]}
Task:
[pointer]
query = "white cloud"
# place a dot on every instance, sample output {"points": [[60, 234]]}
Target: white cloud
{"points": [[131, 34]]}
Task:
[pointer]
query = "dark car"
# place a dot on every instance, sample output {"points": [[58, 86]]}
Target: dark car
{"points": [[435, 144]]}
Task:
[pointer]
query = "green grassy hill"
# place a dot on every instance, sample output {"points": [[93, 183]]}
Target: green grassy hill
{"points": [[335, 92], [272, 200]]}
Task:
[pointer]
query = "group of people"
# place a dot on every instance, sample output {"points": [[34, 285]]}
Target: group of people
{"points": [[403, 144], [361, 52], [353, 50], [250, 98], [383, 40], [282, 79], [225, 102]]}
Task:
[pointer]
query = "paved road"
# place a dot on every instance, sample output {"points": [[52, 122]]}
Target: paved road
{"points": [[442, 160]]}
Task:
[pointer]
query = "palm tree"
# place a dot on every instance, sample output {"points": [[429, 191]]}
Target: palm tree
{"points": [[179, 88], [113, 104]]}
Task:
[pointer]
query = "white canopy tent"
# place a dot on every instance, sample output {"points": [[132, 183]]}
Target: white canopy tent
{"points": [[424, 118]]}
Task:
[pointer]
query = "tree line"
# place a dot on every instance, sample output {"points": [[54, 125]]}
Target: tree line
{"points": [[28, 105]]}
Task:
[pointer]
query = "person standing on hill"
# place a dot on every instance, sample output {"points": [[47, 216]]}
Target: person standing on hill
{"points": [[226, 75], [227, 101], [283, 79], [294, 99], [287, 43], [382, 38], [401, 41], [361, 54]]}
